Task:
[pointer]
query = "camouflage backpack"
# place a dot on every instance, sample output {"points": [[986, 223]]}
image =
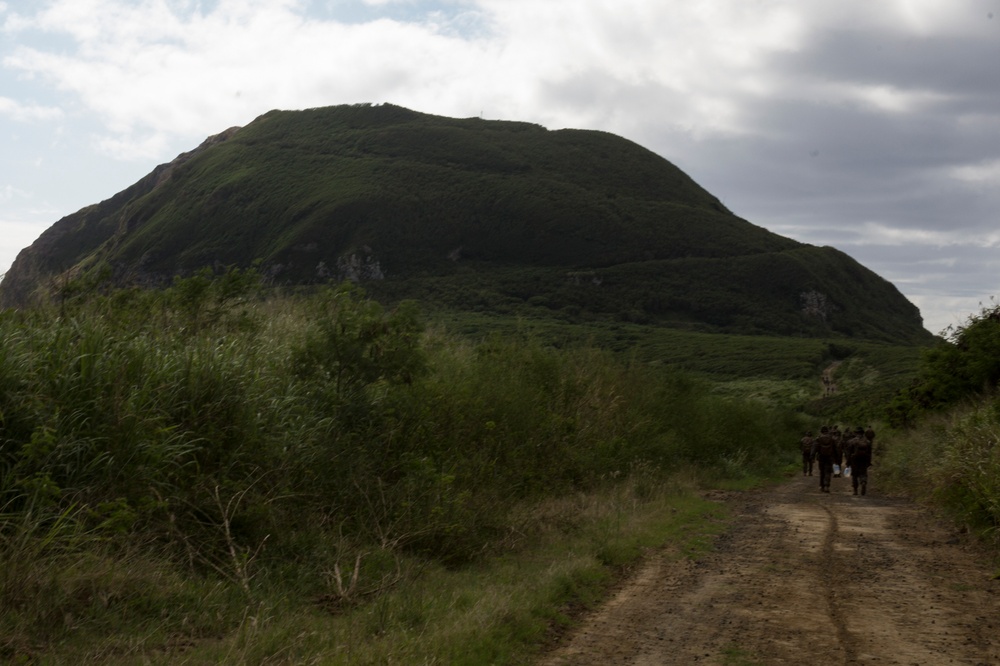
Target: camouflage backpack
{"points": [[863, 449]]}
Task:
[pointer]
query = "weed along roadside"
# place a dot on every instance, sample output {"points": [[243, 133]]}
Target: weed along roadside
{"points": [[506, 609], [208, 475]]}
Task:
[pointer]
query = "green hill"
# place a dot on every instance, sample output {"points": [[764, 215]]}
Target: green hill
{"points": [[498, 217]]}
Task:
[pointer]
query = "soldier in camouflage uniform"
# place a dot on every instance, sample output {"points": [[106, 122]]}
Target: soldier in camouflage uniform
{"points": [[838, 443], [850, 443], [861, 460], [808, 456], [824, 449]]}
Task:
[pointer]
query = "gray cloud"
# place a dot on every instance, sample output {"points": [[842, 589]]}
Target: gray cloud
{"points": [[882, 144], [956, 65]]}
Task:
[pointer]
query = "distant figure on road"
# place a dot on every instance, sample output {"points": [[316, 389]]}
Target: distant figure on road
{"points": [[808, 456], [825, 449], [861, 460]]}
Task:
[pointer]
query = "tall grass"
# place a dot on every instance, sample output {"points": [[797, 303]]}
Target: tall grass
{"points": [[953, 460], [158, 448]]}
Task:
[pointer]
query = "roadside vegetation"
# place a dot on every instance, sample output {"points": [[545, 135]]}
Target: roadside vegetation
{"points": [[944, 445], [212, 474], [205, 475]]}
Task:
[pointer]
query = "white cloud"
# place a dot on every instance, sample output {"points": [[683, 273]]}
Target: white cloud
{"points": [[158, 66], [883, 234], [891, 99], [383, 3], [982, 173], [27, 112], [151, 67], [8, 192], [151, 72]]}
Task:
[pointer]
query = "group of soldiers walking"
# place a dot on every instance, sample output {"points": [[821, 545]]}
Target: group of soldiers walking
{"points": [[834, 450]]}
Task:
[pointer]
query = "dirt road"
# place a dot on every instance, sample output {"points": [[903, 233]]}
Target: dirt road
{"points": [[804, 578]]}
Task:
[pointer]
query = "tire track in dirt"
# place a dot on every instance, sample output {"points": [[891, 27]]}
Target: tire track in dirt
{"points": [[804, 577], [830, 563]]}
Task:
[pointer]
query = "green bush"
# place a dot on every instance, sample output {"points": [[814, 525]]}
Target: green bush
{"points": [[259, 443], [965, 363]]}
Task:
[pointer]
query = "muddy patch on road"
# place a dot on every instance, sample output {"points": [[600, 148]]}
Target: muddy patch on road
{"points": [[804, 577]]}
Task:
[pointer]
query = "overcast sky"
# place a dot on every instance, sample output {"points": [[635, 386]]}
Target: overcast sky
{"points": [[869, 125]]}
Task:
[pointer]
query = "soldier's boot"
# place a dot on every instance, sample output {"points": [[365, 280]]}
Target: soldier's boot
{"points": [[864, 488]]}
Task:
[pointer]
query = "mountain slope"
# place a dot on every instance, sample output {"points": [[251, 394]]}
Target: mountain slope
{"points": [[465, 213]]}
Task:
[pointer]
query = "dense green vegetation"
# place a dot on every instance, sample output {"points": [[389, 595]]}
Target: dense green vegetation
{"points": [[178, 466], [945, 449], [757, 294], [491, 217], [215, 473], [965, 363]]}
